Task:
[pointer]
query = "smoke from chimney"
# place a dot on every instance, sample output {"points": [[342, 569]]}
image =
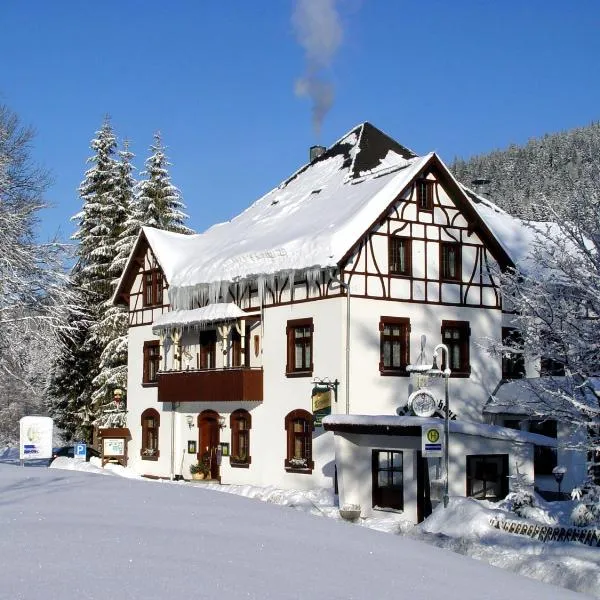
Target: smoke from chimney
{"points": [[318, 29]]}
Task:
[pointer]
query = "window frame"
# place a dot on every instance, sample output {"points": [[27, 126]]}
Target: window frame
{"points": [[292, 326], [545, 458], [234, 424], [306, 435], [464, 327], [424, 194], [236, 348], [445, 264], [377, 494], [502, 478], [150, 347], [147, 414], [152, 293], [403, 339], [395, 242], [207, 350], [513, 364]]}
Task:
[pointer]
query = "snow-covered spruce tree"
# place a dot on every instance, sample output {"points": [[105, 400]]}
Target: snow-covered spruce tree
{"points": [[558, 304], [33, 298], [112, 329], [99, 224], [158, 201]]}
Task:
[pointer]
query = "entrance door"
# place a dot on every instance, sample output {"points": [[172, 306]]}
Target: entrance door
{"points": [[209, 431], [423, 488], [388, 484]]}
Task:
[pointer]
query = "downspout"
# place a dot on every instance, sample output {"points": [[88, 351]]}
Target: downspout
{"points": [[346, 287], [172, 474]]}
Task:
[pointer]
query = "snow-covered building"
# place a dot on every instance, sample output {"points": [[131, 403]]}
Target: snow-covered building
{"points": [[351, 269]]}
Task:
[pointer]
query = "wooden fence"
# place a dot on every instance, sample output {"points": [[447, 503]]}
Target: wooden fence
{"points": [[546, 533]]}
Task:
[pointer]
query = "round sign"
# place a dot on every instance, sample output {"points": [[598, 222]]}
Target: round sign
{"points": [[433, 435], [422, 403]]}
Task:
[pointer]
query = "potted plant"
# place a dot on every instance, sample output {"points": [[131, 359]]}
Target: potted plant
{"points": [[201, 469]]}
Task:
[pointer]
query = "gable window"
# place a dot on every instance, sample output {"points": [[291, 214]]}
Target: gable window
{"points": [[299, 427], [487, 476], [151, 362], [399, 253], [394, 335], [450, 261], [150, 425], [455, 334], [153, 288], [299, 347], [425, 194], [388, 479], [240, 423], [544, 457], [513, 362], [208, 349]]}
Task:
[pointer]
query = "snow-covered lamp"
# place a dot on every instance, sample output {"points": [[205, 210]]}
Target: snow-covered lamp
{"points": [[118, 398]]}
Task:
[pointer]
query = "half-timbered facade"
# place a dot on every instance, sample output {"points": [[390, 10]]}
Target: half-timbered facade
{"points": [[350, 270]]}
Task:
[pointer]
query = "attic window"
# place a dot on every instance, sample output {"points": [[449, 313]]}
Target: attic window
{"points": [[425, 194]]}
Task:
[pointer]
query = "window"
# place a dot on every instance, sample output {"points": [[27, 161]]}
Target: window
{"points": [[544, 457], [208, 349], [153, 288], [394, 345], [551, 365], [240, 423], [487, 476], [399, 251], [151, 362], [425, 194], [455, 334], [150, 425], [450, 261], [299, 427], [388, 479], [513, 362], [236, 348], [299, 347]]}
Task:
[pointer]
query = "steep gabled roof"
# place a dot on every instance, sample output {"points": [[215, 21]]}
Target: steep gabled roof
{"points": [[309, 222]]}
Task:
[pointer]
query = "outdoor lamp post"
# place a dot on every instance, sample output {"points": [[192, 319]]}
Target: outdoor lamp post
{"points": [[436, 371], [559, 473], [118, 398]]}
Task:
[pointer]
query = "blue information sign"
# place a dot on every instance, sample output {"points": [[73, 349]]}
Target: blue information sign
{"points": [[80, 450]]}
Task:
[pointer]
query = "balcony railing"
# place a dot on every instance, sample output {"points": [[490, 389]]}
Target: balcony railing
{"points": [[211, 385]]}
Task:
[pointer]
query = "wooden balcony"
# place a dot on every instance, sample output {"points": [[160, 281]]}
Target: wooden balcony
{"points": [[211, 385]]}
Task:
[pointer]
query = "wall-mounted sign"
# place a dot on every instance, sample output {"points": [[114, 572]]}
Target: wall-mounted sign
{"points": [[422, 403], [191, 446], [432, 441], [35, 437], [321, 405], [113, 446]]}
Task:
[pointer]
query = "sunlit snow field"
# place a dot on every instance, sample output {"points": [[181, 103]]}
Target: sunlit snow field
{"points": [[76, 530]]}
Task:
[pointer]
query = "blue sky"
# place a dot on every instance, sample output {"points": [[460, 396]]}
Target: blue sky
{"points": [[217, 79]]}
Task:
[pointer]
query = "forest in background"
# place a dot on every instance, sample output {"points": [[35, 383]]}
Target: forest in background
{"points": [[555, 170]]}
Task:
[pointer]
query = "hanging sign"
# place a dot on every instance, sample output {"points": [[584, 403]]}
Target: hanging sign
{"points": [[321, 404], [432, 441], [422, 403]]}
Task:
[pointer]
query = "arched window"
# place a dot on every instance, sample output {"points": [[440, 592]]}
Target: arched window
{"points": [[299, 427], [150, 425], [240, 423]]}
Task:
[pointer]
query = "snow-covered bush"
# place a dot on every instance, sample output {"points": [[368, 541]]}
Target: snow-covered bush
{"points": [[587, 510], [519, 502]]}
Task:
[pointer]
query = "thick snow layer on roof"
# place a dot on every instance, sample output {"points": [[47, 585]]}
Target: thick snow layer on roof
{"points": [[464, 427], [308, 222], [222, 311]]}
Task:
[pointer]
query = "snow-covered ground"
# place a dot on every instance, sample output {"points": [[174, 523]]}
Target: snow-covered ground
{"points": [[87, 535]]}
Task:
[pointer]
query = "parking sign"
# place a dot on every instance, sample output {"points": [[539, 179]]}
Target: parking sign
{"points": [[80, 451]]}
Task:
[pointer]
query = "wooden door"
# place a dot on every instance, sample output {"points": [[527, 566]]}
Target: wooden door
{"points": [[209, 432]]}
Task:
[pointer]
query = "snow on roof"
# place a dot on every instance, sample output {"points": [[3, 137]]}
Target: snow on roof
{"points": [[308, 222], [464, 427], [221, 311], [537, 396]]}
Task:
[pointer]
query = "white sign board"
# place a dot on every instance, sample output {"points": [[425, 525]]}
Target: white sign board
{"points": [[35, 437], [432, 444], [113, 446]]}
